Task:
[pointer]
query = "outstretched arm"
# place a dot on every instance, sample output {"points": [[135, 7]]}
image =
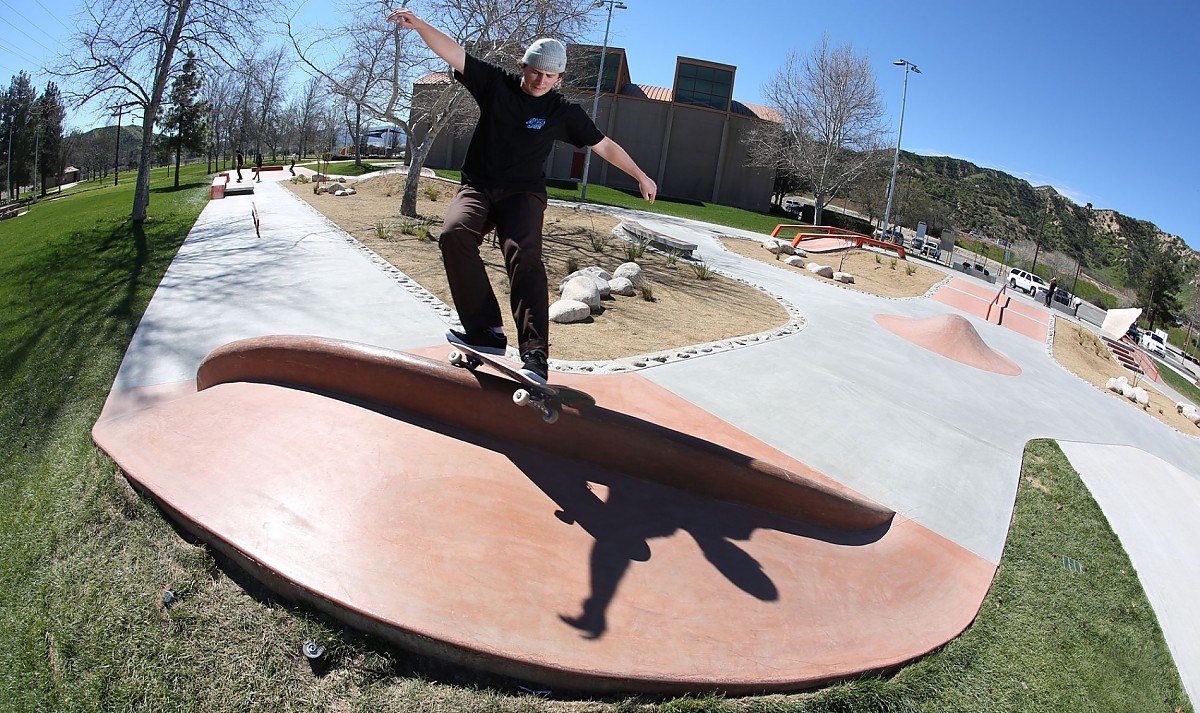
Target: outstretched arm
{"points": [[612, 152], [441, 44]]}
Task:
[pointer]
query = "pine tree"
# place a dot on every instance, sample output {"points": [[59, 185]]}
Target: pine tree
{"points": [[50, 114], [187, 118], [19, 134]]}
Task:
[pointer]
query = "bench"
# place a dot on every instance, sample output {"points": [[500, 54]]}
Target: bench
{"points": [[219, 183], [658, 240]]}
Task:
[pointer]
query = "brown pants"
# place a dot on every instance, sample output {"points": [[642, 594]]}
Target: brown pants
{"points": [[517, 217]]}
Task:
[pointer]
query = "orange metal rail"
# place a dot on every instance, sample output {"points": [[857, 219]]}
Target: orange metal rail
{"points": [[813, 232]]}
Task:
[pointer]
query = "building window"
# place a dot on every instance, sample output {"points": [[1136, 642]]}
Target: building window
{"points": [[699, 85], [582, 75]]}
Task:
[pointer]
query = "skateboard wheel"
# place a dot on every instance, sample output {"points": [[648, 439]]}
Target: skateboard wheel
{"points": [[550, 416], [457, 359], [521, 397]]}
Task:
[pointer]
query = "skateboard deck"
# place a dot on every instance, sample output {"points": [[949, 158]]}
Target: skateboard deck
{"points": [[545, 398]]}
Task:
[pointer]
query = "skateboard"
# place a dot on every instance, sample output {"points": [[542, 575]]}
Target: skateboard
{"points": [[545, 398], [257, 223]]}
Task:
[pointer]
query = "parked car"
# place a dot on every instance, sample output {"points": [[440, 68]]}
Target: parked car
{"points": [[1062, 296], [792, 205], [1019, 279]]}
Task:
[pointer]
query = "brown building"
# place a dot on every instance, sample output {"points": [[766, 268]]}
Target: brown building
{"points": [[686, 137]]}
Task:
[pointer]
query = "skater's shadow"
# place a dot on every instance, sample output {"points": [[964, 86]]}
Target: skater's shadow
{"points": [[623, 513]]}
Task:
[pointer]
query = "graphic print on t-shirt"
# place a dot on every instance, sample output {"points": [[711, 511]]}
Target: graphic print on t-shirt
{"points": [[535, 123]]}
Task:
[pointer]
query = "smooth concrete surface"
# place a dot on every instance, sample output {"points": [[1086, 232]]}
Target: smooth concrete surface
{"points": [[513, 559], [303, 276], [937, 441], [482, 401], [1151, 505]]}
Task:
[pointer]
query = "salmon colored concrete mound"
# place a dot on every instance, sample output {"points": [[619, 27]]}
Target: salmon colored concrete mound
{"points": [[455, 524], [952, 336]]}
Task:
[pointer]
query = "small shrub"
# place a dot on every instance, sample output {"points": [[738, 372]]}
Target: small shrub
{"points": [[383, 231], [431, 192], [572, 266], [878, 259], [300, 179], [673, 257], [909, 270], [408, 227], [647, 292], [893, 263], [599, 241], [703, 271], [423, 233], [635, 250]]}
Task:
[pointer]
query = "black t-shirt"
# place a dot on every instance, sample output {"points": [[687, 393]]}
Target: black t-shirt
{"points": [[516, 131]]}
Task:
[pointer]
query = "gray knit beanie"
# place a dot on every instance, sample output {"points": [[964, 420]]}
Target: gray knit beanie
{"points": [[546, 55]]}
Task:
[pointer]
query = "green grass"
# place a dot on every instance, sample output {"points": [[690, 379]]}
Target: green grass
{"points": [[1180, 383], [349, 168], [85, 559], [739, 218]]}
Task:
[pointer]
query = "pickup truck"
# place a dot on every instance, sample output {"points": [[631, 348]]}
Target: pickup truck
{"points": [[1155, 341]]}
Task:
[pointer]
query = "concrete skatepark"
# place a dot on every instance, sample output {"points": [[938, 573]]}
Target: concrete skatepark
{"points": [[419, 526]]}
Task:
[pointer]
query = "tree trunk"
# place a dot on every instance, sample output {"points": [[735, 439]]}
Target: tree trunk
{"points": [[408, 203], [141, 191], [178, 151]]}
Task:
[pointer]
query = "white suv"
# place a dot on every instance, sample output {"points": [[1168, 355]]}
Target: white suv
{"points": [[1027, 281]]}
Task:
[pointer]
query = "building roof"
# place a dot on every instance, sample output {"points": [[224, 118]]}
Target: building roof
{"points": [[645, 91]]}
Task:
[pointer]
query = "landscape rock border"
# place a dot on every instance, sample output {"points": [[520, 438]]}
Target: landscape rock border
{"points": [[795, 324]]}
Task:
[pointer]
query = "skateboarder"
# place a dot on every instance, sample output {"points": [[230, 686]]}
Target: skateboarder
{"points": [[237, 162], [504, 186], [258, 162]]}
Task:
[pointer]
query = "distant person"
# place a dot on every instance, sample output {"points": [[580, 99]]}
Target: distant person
{"points": [[293, 166], [1050, 292], [504, 186], [258, 161], [237, 162]]}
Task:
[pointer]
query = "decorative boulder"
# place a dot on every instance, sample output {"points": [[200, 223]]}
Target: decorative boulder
{"points": [[844, 277], [335, 187], [1113, 384], [630, 271], [772, 245], [582, 288], [800, 252], [567, 311], [622, 286], [1141, 396], [822, 270], [794, 260], [597, 275], [1193, 415], [1127, 391]]}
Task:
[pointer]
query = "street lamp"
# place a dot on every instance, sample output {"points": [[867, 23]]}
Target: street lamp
{"points": [[587, 160], [887, 213], [120, 109]]}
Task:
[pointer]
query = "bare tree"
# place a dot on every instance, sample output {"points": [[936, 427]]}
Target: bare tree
{"points": [[389, 61], [126, 50], [833, 128]]}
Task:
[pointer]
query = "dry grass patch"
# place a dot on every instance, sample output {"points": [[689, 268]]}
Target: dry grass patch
{"points": [[1084, 355], [874, 274], [685, 309]]}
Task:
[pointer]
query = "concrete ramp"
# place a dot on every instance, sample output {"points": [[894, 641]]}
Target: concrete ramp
{"points": [[953, 337], [572, 563]]}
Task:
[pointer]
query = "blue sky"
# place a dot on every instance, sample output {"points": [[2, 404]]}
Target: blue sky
{"points": [[1100, 99]]}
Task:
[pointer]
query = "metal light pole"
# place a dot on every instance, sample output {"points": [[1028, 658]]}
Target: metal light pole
{"points": [[887, 213], [120, 108], [587, 160]]}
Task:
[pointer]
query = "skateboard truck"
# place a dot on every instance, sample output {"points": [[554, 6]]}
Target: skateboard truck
{"points": [[543, 399]]}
